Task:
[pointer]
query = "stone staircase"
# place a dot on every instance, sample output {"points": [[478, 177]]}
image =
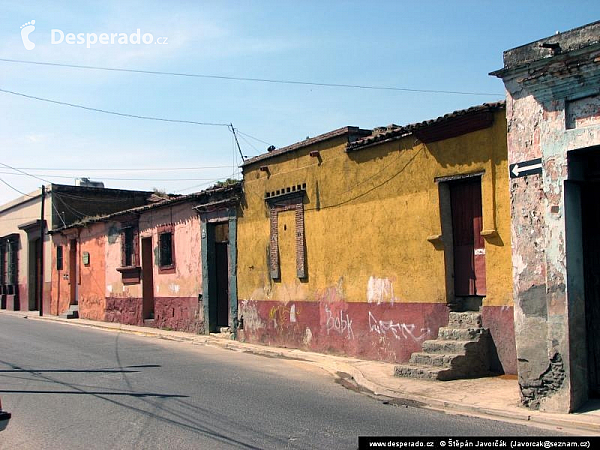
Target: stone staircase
{"points": [[72, 313], [460, 351]]}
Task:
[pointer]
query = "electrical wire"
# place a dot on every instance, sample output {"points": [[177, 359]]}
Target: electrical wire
{"points": [[15, 189], [115, 113], [137, 169], [249, 143], [113, 178], [25, 173], [260, 80], [252, 137]]}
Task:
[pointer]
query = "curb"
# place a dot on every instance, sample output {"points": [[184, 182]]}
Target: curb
{"points": [[336, 366]]}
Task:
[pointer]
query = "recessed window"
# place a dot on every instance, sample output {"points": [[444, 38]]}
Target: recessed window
{"points": [[59, 257], [166, 249], [128, 247]]}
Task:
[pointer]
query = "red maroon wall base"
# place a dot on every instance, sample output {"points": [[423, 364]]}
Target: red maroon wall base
{"points": [[125, 310], [380, 332], [173, 313], [178, 313], [385, 332]]}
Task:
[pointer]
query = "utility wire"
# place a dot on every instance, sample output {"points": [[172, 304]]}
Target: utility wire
{"points": [[252, 137], [137, 169], [25, 173], [113, 178], [133, 116], [15, 189], [260, 80]]}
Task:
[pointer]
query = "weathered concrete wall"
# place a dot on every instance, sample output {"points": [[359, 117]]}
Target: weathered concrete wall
{"points": [[21, 211], [61, 279], [552, 109], [89, 277], [367, 217], [176, 294], [92, 301]]}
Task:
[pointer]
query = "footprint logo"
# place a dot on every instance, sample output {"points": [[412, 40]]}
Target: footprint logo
{"points": [[26, 30]]}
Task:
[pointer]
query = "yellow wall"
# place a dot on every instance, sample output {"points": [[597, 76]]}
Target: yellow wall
{"points": [[368, 215]]}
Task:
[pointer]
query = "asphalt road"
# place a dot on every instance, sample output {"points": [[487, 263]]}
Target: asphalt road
{"points": [[71, 387]]}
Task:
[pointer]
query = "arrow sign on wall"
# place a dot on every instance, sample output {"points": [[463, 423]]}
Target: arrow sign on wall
{"points": [[524, 168]]}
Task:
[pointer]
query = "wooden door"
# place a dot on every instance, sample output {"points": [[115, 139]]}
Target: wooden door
{"points": [[73, 278], [469, 246], [147, 280], [37, 274]]}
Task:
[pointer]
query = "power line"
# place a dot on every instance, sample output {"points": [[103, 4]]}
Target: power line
{"points": [[115, 113], [249, 143], [137, 169], [113, 178], [25, 173], [260, 80], [15, 189], [252, 137]]}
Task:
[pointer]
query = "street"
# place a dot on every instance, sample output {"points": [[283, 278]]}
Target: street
{"points": [[70, 387]]}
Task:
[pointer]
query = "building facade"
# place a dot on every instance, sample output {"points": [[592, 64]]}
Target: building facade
{"points": [[144, 265], [25, 264], [553, 115], [357, 242]]}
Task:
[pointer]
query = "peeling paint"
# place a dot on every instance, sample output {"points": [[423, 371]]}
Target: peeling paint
{"points": [[307, 337], [249, 312], [380, 290]]}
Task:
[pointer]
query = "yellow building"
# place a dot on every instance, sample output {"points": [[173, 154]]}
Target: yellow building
{"points": [[357, 241]]}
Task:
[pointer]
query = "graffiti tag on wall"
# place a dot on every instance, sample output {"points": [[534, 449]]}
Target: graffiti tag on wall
{"points": [[380, 290], [337, 322], [282, 314], [397, 329]]}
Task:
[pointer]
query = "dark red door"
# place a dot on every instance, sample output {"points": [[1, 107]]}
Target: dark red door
{"points": [[147, 280], [469, 246]]}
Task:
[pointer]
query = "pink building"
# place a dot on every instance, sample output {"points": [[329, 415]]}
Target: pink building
{"points": [[141, 266]]}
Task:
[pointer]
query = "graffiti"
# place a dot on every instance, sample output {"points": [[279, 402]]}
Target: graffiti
{"points": [[281, 314], [252, 321], [307, 337], [338, 323], [380, 290], [398, 330]]}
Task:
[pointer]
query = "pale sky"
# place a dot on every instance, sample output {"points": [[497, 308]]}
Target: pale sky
{"points": [[435, 45]]}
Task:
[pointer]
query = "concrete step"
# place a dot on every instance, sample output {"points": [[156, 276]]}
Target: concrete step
{"points": [[424, 372], [72, 313], [460, 334], [468, 319], [433, 359], [442, 346]]}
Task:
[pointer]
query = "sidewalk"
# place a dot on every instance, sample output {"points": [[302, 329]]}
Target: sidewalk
{"points": [[493, 398]]}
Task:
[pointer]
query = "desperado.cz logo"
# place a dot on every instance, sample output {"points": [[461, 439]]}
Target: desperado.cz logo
{"points": [[90, 39]]}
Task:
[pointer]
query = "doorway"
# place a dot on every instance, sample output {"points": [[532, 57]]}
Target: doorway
{"points": [[37, 274], [222, 273], [468, 246], [73, 278], [147, 280]]}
